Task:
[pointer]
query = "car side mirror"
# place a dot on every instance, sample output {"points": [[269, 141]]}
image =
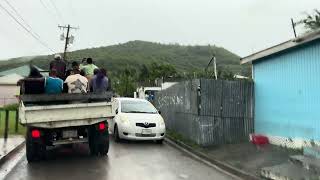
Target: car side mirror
{"points": [[117, 111], [159, 111]]}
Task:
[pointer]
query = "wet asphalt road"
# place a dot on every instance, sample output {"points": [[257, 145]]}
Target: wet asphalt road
{"points": [[125, 161]]}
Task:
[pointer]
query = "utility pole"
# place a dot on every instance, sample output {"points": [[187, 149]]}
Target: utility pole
{"points": [[294, 25], [67, 39], [66, 44], [206, 69], [215, 67], [294, 28], [213, 58]]}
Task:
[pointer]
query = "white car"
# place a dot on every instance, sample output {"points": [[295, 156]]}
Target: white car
{"points": [[136, 119]]}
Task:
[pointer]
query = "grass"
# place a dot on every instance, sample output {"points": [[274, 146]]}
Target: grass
{"points": [[12, 123], [179, 137]]}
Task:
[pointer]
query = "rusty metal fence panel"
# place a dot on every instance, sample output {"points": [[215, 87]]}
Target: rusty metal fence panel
{"points": [[209, 112]]}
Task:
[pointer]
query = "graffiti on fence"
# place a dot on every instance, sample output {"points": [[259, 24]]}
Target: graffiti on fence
{"points": [[209, 112]]}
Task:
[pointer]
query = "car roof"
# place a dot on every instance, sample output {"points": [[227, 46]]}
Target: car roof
{"points": [[131, 99]]}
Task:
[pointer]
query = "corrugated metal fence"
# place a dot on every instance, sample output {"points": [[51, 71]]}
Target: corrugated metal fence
{"points": [[209, 112]]}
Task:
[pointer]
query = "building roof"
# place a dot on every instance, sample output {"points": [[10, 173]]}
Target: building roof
{"points": [[22, 71], [301, 40], [10, 79]]}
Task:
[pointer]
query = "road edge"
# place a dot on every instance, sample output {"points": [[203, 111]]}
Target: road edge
{"points": [[221, 166], [6, 157]]}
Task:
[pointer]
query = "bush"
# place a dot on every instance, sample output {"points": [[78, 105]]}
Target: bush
{"points": [[10, 107]]}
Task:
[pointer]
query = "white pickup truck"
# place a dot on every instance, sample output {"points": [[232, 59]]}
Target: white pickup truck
{"points": [[65, 119]]}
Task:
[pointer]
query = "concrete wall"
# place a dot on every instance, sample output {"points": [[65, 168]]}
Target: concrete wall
{"points": [[287, 94]]}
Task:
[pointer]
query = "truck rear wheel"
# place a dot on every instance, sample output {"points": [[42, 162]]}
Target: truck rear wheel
{"points": [[104, 146], [92, 142], [98, 142], [35, 149], [30, 152]]}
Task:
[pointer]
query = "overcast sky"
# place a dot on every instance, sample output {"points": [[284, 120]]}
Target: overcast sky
{"points": [[241, 26]]}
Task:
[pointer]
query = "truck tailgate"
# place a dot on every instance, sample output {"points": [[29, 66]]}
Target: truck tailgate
{"points": [[65, 114]]}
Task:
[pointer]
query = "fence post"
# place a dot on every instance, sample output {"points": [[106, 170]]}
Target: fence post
{"points": [[6, 125], [17, 121]]}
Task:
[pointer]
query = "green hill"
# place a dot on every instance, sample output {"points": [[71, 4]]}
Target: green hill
{"points": [[136, 53]]}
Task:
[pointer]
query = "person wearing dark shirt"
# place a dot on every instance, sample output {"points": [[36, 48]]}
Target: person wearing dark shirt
{"points": [[99, 82], [109, 88], [34, 73], [95, 71], [53, 85], [75, 65], [82, 73], [59, 65], [34, 83]]}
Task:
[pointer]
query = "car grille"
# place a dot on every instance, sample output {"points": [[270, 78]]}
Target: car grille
{"points": [[145, 135], [146, 125]]}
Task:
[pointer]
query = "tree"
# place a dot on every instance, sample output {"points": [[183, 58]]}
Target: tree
{"points": [[126, 84], [144, 73], [312, 21], [162, 71]]}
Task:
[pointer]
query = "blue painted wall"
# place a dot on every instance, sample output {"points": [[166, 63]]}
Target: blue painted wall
{"points": [[287, 93]]}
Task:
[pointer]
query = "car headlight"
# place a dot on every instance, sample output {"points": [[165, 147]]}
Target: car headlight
{"points": [[161, 122], [124, 119]]}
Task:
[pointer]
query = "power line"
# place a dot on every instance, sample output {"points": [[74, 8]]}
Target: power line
{"points": [[20, 16], [26, 29], [49, 11], [57, 10], [72, 11]]}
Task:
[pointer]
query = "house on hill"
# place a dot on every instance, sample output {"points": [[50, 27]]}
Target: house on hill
{"points": [[287, 91]]}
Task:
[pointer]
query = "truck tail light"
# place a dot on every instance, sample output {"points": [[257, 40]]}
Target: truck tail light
{"points": [[35, 133], [102, 126]]}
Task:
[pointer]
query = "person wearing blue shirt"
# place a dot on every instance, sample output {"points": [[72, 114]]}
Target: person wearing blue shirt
{"points": [[53, 85]]}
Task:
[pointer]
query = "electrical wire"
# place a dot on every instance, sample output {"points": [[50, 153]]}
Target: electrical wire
{"points": [[26, 29], [57, 11], [50, 12], [72, 11], [20, 16]]}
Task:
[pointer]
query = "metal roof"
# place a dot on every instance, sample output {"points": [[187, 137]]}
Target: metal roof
{"points": [[306, 38], [22, 71]]}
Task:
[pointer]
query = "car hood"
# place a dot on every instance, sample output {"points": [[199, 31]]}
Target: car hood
{"points": [[142, 117]]}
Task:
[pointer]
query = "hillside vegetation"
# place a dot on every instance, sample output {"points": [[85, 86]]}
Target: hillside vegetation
{"points": [[134, 54]]}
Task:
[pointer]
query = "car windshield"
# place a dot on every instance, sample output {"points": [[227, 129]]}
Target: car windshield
{"points": [[128, 106]]}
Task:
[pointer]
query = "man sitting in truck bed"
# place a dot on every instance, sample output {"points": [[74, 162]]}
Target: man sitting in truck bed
{"points": [[53, 85], [77, 83]]}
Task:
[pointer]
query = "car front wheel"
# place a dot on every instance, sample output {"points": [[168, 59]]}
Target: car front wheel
{"points": [[159, 141], [116, 134]]}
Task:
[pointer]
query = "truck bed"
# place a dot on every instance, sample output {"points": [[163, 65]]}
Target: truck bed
{"points": [[64, 110]]}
